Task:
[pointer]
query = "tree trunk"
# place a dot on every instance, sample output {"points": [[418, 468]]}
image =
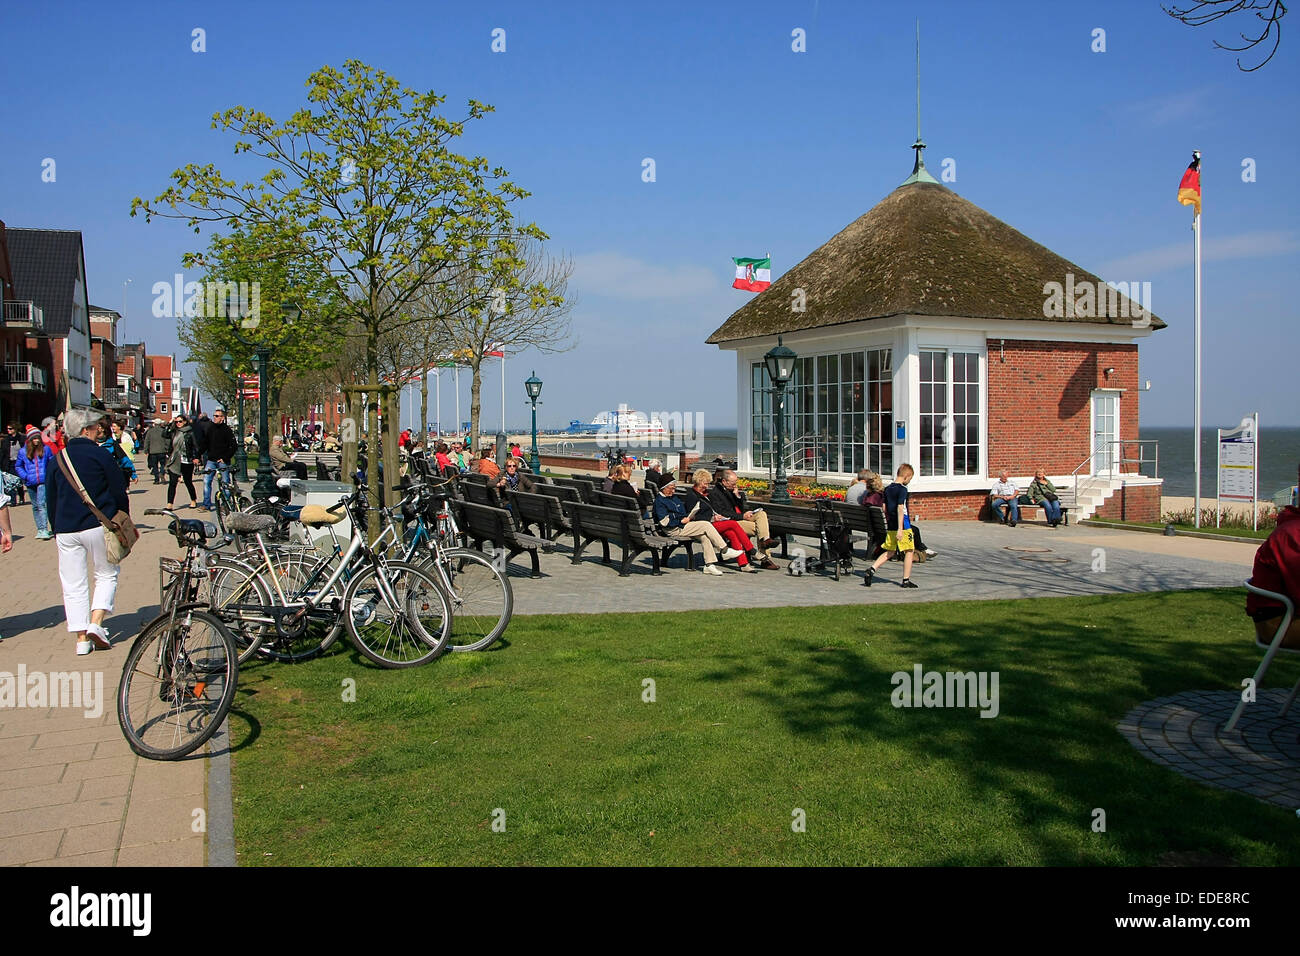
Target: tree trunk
{"points": [[348, 437], [392, 462], [372, 434], [475, 385]]}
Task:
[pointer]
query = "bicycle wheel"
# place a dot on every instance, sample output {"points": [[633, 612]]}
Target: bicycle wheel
{"points": [[482, 600], [178, 683], [412, 631], [231, 584], [301, 572]]}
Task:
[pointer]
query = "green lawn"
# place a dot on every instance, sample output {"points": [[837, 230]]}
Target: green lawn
{"points": [[757, 713], [1261, 534]]}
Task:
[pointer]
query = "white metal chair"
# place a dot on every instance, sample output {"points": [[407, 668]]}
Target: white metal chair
{"points": [[1270, 651]]}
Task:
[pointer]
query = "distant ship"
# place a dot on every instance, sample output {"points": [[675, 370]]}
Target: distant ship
{"points": [[624, 423]]}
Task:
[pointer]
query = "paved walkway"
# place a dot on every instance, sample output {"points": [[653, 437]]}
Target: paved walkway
{"points": [[976, 562], [71, 792], [1260, 758]]}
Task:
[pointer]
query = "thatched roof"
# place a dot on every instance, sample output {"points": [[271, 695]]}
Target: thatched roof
{"points": [[923, 250]]}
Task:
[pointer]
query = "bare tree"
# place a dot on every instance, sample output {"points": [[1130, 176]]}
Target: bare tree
{"points": [[1268, 12], [530, 308]]}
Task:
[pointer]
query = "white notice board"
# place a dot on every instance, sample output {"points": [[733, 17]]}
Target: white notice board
{"points": [[1238, 463]]}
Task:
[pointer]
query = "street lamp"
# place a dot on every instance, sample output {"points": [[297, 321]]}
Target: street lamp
{"points": [[533, 385], [264, 486], [240, 460], [780, 367]]}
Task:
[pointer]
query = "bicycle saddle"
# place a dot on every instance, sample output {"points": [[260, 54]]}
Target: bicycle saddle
{"points": [[314, 516], [249, 524], [192, 528]]}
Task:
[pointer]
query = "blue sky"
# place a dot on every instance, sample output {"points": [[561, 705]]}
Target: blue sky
{"points": [[757, 149]]}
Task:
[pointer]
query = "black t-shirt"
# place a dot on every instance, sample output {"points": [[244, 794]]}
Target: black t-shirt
{"points": [[895, 495]]}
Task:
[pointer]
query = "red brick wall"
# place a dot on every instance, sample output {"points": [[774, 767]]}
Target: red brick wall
{"points": [[950, 505], [1141, 503], [1040, 396]]}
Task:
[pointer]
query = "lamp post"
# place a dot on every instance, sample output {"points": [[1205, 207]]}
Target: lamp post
{"points": [[780, 367], [240, 460], [533, 385], [264, 486]]}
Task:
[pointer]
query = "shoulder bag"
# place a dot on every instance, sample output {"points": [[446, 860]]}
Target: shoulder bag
{"points": [[120, 533]]}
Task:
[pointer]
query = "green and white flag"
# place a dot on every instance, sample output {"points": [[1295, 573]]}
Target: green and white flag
{"points": [[752, 275]]}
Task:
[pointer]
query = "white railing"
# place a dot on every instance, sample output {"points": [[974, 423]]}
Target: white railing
{"points": [[1116, 460], [20, 314], [23, 373]]}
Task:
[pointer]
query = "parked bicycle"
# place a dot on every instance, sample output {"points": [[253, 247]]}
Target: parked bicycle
{"points": [[178, 680]]}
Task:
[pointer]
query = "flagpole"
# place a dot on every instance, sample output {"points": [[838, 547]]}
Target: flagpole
{"points": [[1196, 228], [503, 392], [437, 391], [458, 397]]}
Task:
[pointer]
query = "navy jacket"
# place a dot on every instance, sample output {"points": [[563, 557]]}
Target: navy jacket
{"points": [[103, 480]]}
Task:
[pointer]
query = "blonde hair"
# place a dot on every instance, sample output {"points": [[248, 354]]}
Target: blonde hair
{"points": [[621, 473], [701, 477], [875, 483], [905, 469]]}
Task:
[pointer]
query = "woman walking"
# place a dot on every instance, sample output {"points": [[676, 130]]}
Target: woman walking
{"points": [[34, 462], [180, 464], [79, 534]]}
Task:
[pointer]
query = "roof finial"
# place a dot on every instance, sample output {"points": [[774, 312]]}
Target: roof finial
{"points": [[919, 173]]}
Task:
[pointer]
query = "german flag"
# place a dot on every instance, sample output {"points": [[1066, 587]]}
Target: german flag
{"points": [[1189, 190]]}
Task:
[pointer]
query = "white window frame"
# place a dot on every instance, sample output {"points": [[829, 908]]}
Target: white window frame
{"points": [[981, 358]]}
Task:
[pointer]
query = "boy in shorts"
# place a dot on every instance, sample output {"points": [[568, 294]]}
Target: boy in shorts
{"points": [[898, 536]]}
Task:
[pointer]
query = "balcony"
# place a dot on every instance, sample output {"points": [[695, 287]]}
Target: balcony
{"points": [[22, 377], [23, 315], [121, 398]]}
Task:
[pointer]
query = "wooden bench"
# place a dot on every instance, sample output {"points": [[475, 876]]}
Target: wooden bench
{"points": [[481, 523], [481, 493], [620, 526], [863, 521], [784, 520], [583, 486], [543, 510], [607, 499], [1024, 502]]}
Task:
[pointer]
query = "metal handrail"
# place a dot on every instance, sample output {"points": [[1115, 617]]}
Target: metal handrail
{"points": [[1120, 459], [24, 373], [24, 312]]}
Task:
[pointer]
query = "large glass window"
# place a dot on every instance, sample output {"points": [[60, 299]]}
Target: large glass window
{"points": [[830, 407], [950, 413]]}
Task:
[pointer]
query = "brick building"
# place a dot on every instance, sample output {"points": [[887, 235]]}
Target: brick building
{"points": [[163, 380], [24, 385], [932, 333]]}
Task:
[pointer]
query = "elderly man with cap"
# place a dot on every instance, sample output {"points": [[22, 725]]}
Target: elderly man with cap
{"points": [[671, 519]]}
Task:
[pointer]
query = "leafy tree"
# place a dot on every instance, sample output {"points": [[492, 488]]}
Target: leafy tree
{"points": [[365, 191], [1268, 12]]}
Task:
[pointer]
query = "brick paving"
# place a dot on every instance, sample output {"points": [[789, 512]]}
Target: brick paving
{"points": [[1183, 732], [72, 793]]}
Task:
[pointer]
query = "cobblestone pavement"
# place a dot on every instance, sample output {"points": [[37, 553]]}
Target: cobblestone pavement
{"points": [[1183, 732], [71, 791]]}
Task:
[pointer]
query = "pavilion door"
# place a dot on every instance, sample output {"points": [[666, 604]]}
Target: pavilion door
{"points": [[1105, 431]]}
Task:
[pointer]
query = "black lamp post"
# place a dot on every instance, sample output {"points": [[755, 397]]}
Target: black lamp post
{"points": [[780, 367], [240, 460], [533, 385], [264, 486]]}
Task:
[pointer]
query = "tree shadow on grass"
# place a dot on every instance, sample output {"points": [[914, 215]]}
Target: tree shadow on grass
{"points": [[1053, 750]]}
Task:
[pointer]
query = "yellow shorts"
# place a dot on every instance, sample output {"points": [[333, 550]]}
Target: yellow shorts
{"points": [[899, 541]]}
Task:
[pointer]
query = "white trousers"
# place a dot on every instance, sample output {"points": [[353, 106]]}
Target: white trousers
{"points": [[74, 550]]}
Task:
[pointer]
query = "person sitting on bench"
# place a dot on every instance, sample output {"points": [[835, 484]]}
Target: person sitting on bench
{"points": [[622, 484], [514, 479], [727, 502], [670, 519], [1277, 568], [699, 508], [1005, 499], [1043, 493]]}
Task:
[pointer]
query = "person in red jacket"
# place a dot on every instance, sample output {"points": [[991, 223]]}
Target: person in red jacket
{"points": [[1277, 568]]}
